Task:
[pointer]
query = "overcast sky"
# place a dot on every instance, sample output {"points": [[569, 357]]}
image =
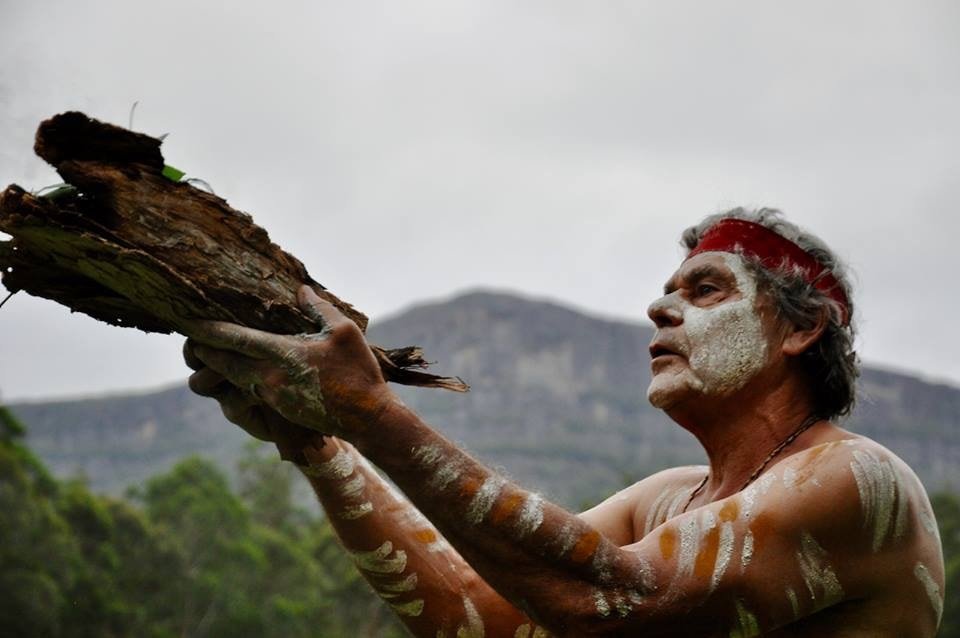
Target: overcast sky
{"points": [[411, 150]]}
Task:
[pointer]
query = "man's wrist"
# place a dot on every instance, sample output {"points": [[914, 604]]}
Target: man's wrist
{"points": [[315, 457], [294, 443], [391, 418]]}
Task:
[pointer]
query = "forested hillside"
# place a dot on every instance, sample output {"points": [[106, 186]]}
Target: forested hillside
{"points": [[185, 555]]}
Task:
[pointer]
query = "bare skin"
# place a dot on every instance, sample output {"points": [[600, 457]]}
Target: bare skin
{"points": [[834, 537]]}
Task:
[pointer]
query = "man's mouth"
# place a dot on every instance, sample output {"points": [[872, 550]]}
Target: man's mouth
{"points": [[661, 350]]}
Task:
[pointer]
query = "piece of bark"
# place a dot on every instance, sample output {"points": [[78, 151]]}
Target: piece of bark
{"points": [[128, 246]]}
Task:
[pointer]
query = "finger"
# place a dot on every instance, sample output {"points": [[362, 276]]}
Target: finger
{"points": [[229, 336], [208, 383], [321, 312], [240, 370], [241, 409], [189, 358]]}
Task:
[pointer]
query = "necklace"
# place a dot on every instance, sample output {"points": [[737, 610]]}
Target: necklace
{"points": [[809, 421]]}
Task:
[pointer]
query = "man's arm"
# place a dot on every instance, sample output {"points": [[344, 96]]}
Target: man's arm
{"points": [[546, 561], [397, 550], [635, 511], [403, 555], [781, 550]]}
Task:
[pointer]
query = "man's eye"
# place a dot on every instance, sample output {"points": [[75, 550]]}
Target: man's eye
{"points": [[705, 289]]}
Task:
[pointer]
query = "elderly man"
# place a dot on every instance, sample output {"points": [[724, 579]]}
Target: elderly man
{"points": [[796, 528]]}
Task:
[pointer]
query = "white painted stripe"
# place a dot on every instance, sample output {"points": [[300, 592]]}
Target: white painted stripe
{"points": [[655, 513], [353, 487], [339, 467], [931, 587], [822, 583], [378, 561], [531, 516], [484, 499], [724, 553], [473, 628], [353, 512], [600, 602], [444, 476], [413, 608], [879, 493], [746, 553], [403, 585], [794, 603], [747, 625]]}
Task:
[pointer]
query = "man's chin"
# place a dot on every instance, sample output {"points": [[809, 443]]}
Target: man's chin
{"points": [[662, 400], [667, 393]]}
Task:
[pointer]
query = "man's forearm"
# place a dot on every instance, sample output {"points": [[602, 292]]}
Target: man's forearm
{"points": [[401, 554], [541, 557]]}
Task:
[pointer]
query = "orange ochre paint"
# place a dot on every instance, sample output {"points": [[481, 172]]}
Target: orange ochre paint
{"points": [[505, 507], [707, 557], [805, 471], [469, 487], [762, 527], [585, 547], [729, 511], [668, 543], [425, 535]]}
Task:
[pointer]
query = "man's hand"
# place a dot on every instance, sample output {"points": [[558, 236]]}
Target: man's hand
{"points": [[327, 381], [243, 409]]}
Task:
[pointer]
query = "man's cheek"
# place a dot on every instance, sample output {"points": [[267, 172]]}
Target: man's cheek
{"points": [[728, 346]]}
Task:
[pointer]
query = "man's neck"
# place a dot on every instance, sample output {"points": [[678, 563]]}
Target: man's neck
{"points": [[740, 432]]}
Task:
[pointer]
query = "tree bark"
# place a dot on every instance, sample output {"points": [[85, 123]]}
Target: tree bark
{"points": [[128, 245]]}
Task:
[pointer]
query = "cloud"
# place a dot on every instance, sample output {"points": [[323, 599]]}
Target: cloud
{"points": [[410, 150]]}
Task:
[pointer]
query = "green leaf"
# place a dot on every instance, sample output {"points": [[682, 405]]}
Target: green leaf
{"points": [[173, 174]]}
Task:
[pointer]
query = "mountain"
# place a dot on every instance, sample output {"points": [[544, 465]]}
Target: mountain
{"points": [[557, 401]]}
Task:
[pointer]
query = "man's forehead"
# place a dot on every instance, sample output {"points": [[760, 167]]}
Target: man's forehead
{"points": [[700, 266]]}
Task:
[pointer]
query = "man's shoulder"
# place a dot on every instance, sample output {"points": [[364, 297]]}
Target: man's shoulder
{"points": [[672, 477], [663, 495], [869, 469], [864, 504], [632, 512]]}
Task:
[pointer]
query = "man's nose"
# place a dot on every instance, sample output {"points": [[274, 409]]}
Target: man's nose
{"points": [[665, 312]]}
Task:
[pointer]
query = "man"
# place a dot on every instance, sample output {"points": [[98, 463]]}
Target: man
{"points": [[796, 528]]}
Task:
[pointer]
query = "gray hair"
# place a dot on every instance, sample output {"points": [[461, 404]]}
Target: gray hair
{"points": [[831, 364]]}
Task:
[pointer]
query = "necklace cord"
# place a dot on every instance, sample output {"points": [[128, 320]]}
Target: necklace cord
{"points": [[803, 427]]}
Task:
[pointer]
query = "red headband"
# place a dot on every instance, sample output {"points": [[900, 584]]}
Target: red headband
{"points": [[747, 238]]}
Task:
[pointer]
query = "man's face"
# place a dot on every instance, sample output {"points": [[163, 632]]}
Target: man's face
{"points": [[710, 338]]}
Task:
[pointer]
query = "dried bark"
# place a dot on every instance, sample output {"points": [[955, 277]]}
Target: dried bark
{"points": [[133, 248]]}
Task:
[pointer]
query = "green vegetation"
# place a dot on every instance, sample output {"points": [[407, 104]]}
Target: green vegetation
{"points": [[184, 556], [188, 556], [947, 509]]}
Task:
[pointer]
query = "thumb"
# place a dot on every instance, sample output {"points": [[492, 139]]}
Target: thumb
{"points": [[318, 309]]}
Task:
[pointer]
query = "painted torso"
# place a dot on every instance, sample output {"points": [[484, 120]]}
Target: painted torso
{"points": [[881, 578]]}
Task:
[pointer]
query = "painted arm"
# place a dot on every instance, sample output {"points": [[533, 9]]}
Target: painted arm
{"points": [[402, 554], [728, 568], [395, 548]]}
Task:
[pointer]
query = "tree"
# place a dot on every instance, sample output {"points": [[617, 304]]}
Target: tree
{"points": [[947, 509], [36, 550]]}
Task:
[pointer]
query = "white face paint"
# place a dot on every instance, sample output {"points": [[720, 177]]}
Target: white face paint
{"points": [[724, 344]]}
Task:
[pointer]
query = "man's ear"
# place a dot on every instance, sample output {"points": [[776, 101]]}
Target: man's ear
{"points": [[797, 340]]}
